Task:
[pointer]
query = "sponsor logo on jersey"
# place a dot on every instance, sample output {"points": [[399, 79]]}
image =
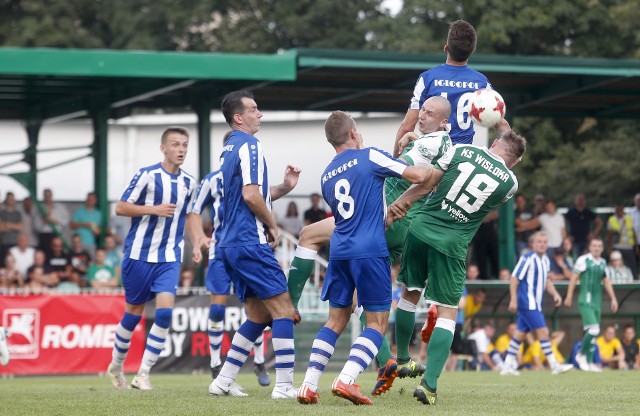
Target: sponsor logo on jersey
{"points": [[456, 84], [454, 213], [339, 170]]}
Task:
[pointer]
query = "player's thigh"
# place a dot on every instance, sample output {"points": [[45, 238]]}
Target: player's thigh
{"points": [[372, 278], [254, 271], [528, 321], [338, 285], [590, 315], [142, 280], [317, 234], [413, 269], [395, 236], [446, 278], [217, 280]]}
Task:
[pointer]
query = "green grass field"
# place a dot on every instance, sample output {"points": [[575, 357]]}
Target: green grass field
{"points": [[460, 393]]}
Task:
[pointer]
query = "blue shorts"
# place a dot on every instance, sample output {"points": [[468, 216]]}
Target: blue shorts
{"points": [[218, 281], [370, 276], [530, 320], [254, 271], [142, 280]]}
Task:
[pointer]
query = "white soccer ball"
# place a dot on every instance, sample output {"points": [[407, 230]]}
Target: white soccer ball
{"points": [[487, 108]]}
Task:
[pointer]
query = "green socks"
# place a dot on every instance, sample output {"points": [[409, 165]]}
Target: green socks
{"points": [[438, 352], [298, 275], [405, 323]]}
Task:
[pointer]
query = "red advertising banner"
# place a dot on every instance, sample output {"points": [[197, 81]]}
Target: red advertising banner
{"points": [[65, 334]]}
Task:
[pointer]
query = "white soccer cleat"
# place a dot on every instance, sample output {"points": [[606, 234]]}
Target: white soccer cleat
{"points": [[4, 347], [508, 371], [562, 368], [288, 393], [233, 389], [141, 382], [583, 364], [118, 379], [595, 368]]}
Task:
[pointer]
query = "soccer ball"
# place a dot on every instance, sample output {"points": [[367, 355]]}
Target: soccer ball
{"points": [[487, 108]]}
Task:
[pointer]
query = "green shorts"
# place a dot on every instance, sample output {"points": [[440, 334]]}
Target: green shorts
{"points": [[395, 236], [590, 315], [446, 275]]}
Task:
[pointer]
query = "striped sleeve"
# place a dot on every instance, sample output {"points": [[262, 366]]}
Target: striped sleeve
{"points": [[385, 165], [251, 163], [136, 187]]}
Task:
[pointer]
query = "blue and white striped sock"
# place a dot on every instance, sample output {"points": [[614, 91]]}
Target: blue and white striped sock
{"points": [[216, 331], [512, 351], [124, 331], [548, 352], [240, 348], [321, 351], [282, 338], [362, 352], [155, 340], [258, 350]]}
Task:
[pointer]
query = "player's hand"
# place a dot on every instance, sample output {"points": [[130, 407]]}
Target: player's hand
{"points": [[513, 306], [273, 237], [406, 139], [567, 302], [398, 211], [291, 176], [165, 210], [557, 300], [202, 243], [614, 305]]}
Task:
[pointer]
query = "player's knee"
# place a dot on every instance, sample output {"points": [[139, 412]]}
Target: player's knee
{"points": [[406, 305], [594, 331], [163, 317]]}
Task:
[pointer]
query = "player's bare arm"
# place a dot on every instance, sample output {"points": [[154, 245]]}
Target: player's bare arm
{"points": [[254, 200], [127, 209], [513, 293], [197, 236], [405, 140], [408, 125], [572, 286], [608, 286], [551, 289], [415, 192], [291, 176]]}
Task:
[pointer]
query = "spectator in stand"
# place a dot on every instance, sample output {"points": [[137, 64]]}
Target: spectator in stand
{"points": [[114, 256], [41, 274], [80, 260], [504, 274], [616, 270], [611, 352], [485, 246], [631, 347], [10, 277], [10, 225], [552, 223], [564, 259], [488, 357], [622, 237], [472, 272], [635, 218], [315, 213], [59, 261], [538, 205], [23, 254], [291, 223], [55, 217], [472, 306], [579, 218], [186, 277], [87, 222], [502, 342], [28, 213], [526, 224], [100, 275]]}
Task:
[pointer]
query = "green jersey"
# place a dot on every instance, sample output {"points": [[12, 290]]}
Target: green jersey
{"points": [[592, 272], [475, 182], [425, 150]]}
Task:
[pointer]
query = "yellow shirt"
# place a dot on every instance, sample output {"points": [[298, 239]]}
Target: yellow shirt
{"points": [[502, 344], [471, 307], [535, 350], [608, 349]]}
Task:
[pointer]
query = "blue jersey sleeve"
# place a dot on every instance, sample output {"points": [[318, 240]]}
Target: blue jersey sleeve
{"points": [[384, 165], [251, 163]]}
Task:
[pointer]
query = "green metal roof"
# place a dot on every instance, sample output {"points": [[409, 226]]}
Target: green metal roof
{"points": [[62, 84]]}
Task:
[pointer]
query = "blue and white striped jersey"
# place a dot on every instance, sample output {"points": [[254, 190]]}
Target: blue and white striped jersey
{"points": [[158, 239], [457, 84], [532, 271], [209, 193], [242, 163], [353, 186]]}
